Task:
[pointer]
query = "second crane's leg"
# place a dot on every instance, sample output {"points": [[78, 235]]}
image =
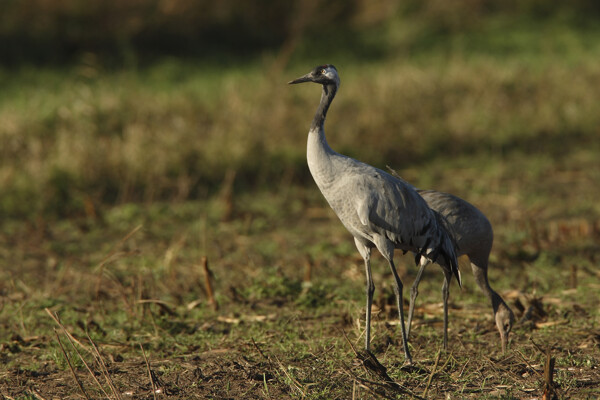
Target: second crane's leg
{"points": [[398, 291], [414, 292], [445, 296]]}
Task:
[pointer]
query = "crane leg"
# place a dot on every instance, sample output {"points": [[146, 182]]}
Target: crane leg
{"points": [[398, 291], [370, 290], [365, 252], [414, 292], [445, 296]]}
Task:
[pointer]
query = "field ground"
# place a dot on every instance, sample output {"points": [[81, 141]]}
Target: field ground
{"points": [[131, 276]]}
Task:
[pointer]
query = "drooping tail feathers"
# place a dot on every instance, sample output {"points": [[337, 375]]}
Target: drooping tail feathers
{"points": [[447, 247]]}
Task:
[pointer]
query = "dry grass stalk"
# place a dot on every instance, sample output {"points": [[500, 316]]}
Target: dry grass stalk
{"points": [[171, 254], [208, 283], [437, 360], [72, 340], [350, 343], [35, 394], [260, 351], [377, 388], [103, 368], [110, 255], [71, 366], [549, 390], [227, 194], [573, 276], [308, 266], [447, 361], [149, 372], [163, 305], [370, 363], [295, 384], [54, 316], [7, 397], [528, 364], [361, 381]]}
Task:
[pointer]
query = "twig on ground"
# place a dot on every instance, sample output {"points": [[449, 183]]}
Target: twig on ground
{"points": [[529, 365], [163, 305], [67, 333], [462, 370], [110, 255], [437, 359], [370, 363], [208, 283], [36, 394], [295, 383], [537, 346], [549, 389], [226, 196], [349, 342], [87, 366], [72, 341], [447, 361], [573, 279], [260, 351], [149, 372], [490, 363], [364, 383], [103, 368], [71, 366]]}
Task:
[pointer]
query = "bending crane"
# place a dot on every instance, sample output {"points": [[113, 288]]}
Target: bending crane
{"points": [[474, 237]]}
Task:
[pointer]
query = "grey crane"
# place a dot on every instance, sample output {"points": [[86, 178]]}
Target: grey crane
{"points": [[474, 236], [381, 211]]}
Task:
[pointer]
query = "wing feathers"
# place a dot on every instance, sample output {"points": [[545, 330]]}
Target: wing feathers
{"points": [[393, 208]]}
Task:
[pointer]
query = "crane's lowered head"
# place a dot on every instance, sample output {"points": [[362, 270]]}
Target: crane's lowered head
{"points": [[323, 74], [504, 321]]}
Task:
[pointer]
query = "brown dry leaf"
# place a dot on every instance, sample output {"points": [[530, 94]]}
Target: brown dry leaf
{"points": [[550, 323], [250, 318]]}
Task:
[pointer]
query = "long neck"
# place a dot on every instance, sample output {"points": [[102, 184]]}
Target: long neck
{"points": [[318, 152], [327, 96], [483, 283]]}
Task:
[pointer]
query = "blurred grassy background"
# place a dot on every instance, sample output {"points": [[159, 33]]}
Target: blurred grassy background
{"points": [[109, 102]]}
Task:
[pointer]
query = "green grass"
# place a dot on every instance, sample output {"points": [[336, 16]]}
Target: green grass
{"points": [[263, 299], [171, 131]]}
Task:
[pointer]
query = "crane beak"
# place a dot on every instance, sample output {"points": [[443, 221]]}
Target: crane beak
{"points": [[304, 78]]}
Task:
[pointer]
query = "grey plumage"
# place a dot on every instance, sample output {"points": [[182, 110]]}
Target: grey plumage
{"points": [[474, 237], [381, 211]]}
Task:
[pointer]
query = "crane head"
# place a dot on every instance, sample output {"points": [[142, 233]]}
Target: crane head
{"points": [[504, 322], [323, 74]]}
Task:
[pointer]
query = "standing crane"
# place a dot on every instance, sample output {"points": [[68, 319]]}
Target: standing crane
{"points": [[474, 237], [381, 211]]}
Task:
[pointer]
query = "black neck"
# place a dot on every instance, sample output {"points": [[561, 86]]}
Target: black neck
{"points": [[326, 99]]}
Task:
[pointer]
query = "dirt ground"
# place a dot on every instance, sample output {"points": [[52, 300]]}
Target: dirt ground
{"points": [[289, 324]]}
